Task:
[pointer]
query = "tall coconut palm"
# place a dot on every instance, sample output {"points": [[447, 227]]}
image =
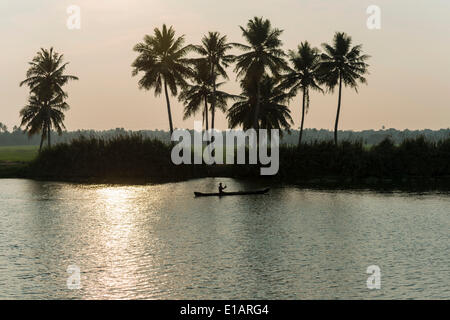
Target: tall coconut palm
{"points": [[222, 98], [303, 76], [342, 64], [40, 116], [214, 49], [263, 53], [46, 79], [193, 96], [273, 112], [201, 92], [161, 59]]}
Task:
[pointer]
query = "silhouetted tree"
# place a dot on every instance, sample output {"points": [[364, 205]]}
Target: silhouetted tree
{"points": [[214, 49], [201, 92], [262, 53], [342, 64], [273, 113], [46, 79], [40, 116], [303, 76], [3, 127], [161, 59], [195, 95]]}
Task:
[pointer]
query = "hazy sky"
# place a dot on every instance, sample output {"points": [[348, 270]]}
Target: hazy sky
{"points": [[408, 87]]}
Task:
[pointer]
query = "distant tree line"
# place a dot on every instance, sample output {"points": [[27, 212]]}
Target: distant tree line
{"points": [[366, 137]]}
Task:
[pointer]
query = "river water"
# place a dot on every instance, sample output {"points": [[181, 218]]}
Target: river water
{"points": [[159, 242]]}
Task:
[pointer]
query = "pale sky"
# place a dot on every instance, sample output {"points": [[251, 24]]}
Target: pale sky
{"points": [[408, 85]]}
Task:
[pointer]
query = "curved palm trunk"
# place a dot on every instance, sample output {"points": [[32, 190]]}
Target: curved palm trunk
{"points": [[48, 135], [168, 107], [206, 114], [206, 122], [303, 119], [42, 139], [213, 102], [338, 111], [213, 105], [256, 116]]}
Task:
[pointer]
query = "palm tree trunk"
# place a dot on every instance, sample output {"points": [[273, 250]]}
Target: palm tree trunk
{"points": [[206, 113], [303, 119], [42, 139], [213, 106], [256, 115], [213, 102], [168, 107], [338, 111], [206, 121], [48, 135]]}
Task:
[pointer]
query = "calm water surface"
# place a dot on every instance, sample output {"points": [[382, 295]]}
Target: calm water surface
{"points": [[159, 242]]}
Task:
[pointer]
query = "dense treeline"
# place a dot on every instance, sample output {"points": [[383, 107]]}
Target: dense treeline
{"points": [[134, 158], [19, 137], [415, 159], [368, 137], [121, 158]]}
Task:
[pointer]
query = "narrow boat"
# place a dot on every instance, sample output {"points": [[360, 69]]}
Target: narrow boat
{"points": [[237, 193]]}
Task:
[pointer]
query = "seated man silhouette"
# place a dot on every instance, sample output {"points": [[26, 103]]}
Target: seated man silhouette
{"points": [[221, 188]]}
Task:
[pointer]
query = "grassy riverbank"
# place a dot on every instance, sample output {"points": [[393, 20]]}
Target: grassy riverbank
{"points": [[18, 153], [135, 159], [14, 160]]}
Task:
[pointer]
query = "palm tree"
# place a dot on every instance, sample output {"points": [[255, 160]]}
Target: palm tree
{"points": [[214, 49], [273, 112], [40, 116], [303, 76], [201, 92], [195, 95], [263, 53], [342, 64], [221, 99], [161, 59], [46, 79]]}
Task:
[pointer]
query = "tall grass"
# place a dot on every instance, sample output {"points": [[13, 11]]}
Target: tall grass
{"points": [[124, 157], [412, 159], [133, 157]]}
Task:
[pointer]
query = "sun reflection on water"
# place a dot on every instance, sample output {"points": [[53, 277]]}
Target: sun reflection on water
{"points": [[118, 210]]}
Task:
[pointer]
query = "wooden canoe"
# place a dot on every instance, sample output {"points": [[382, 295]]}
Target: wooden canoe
{"points": [[238, 193]]}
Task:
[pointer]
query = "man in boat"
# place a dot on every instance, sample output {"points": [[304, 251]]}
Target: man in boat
{"points": [[221, 188]]}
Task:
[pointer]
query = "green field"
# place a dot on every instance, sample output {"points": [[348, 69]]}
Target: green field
{"points": [[18, 153]]}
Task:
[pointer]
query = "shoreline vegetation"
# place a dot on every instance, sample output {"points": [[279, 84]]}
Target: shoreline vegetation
{"points": [[134, 159], [17, 138], [269, 77]]}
